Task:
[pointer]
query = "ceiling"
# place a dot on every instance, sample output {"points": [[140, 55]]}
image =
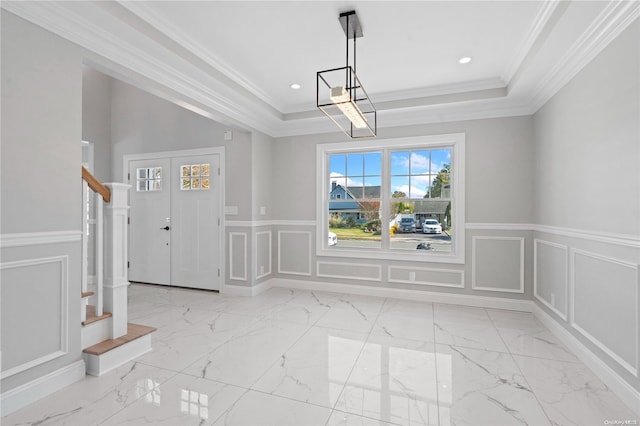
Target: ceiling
{"points": [[234, 61]]}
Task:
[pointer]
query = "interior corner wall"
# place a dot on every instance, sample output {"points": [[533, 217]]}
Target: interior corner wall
{"points": [[41, 203], [587, 150], [587, 206], [96, 119]]}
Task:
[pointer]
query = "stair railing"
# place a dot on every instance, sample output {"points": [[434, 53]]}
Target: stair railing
{"points": [[99, 194]]}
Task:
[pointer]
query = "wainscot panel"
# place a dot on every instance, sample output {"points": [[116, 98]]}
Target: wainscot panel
{"points": [[350, 271], [294, 252], [605, 305], [238, 256], [262, 254], [426, 276], [497, 264], [550, 276]]}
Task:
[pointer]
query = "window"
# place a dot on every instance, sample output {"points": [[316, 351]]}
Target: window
{"points": [[195, 177], [149, 179], [394, 199]]}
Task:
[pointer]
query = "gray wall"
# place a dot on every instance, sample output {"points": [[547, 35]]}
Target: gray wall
{"points": [[261, 173], [587, 201], [96, 120], [144, 123], [41, 196], [587, 145], [499, 190], [41, 125], [499, 172]]}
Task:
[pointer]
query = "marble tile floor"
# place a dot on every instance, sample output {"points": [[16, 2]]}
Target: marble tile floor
{"points": [[293, 357]]}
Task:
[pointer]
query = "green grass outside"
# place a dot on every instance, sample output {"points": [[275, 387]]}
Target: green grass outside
{"points": [[354, 234]]}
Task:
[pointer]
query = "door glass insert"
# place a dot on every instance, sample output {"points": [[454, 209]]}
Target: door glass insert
{"points": [[149, 179], [195, 177]]}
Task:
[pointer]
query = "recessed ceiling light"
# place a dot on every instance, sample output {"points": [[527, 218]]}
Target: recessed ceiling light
{"points": [[295, 86], [465, 60]]}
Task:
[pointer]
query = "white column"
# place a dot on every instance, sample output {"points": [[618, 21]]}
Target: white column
{"points": [[115, 257]]}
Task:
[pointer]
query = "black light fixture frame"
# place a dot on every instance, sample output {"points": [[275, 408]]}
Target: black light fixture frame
{"points": [[357, 93]]}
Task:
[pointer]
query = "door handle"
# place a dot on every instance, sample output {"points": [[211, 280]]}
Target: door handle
{"points": [[166, 228]]}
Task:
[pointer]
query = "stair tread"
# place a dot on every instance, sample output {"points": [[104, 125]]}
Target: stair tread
{"points": [[92, 317], [134, 331], [86, 294]]}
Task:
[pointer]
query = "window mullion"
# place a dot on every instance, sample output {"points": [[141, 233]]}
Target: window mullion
{"points": [[385, 190]]}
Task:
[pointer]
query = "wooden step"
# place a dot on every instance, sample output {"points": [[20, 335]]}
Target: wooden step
{"points": [[85, 294], [92, 317], [134, 331]]}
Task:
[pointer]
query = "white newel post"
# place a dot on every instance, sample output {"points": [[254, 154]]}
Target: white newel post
{"points": [[115, 257]]}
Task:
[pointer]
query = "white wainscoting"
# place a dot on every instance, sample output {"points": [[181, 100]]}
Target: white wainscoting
{"points": [[238, 256], [349, 271], [262, 254], [426, 276], [493, 259], [550, 276], [294, 252], [604, 305], [34, 294]]}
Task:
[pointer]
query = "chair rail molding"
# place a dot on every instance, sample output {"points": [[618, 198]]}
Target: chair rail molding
{"points": [[39, 238]]}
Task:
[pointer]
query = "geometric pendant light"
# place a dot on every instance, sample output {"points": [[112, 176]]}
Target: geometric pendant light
{"points": [[341, 96]]}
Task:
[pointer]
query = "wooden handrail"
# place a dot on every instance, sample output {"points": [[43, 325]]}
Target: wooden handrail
{"points": [[96, 185]]}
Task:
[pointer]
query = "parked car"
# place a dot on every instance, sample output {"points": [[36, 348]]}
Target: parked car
{"points": [[407, 224], [431, 226], [333, 239]]}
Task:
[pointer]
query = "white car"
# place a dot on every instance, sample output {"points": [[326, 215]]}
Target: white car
{"points": [[431, 226], [333, 239]]}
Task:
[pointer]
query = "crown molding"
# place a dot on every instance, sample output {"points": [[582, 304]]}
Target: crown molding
{"points": [[131, 55], [430, 114], [614, 18], [525, 48], [216, 98], [145, 13]]}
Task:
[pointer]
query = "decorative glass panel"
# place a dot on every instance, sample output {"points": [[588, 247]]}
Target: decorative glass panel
{"points": [[195, 176], [149, 179]]}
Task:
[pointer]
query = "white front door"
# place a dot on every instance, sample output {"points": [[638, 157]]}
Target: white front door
{"points": [[196, 222], [175, 221], [150, 221]]}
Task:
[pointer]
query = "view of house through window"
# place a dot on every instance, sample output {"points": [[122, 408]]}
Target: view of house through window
{"points": [[386, 198]]}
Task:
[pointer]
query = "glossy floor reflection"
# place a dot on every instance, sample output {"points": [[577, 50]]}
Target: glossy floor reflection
{"points": [[290, 357]]}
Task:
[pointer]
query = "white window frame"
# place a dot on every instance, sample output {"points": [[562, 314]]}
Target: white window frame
{"points": [[453, 141]]}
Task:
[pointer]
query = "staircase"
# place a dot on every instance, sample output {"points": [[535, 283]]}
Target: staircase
{"points": [[108, 341]]}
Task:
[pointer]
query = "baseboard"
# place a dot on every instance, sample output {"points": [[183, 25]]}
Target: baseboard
{"points": [[241, 290], [397, 293], [617, 384], [30, 392]]}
